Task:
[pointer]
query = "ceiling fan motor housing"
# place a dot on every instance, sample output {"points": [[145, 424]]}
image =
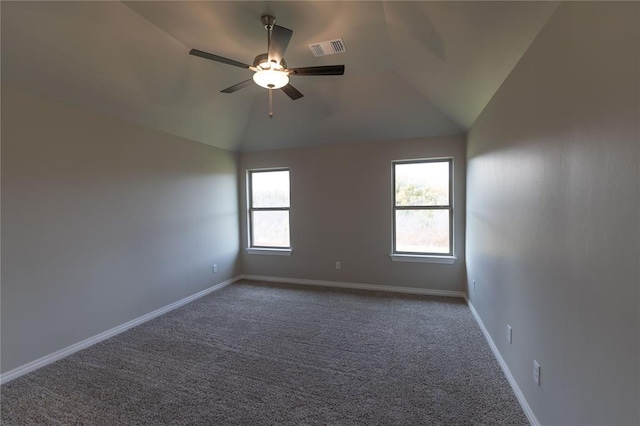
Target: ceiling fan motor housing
{"points": [[263, 58]]}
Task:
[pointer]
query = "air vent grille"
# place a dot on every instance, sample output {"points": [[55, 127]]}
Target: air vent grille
{"points": [[329, 47]]}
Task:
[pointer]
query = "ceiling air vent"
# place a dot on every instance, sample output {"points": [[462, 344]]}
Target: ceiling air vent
{"points": [[330, 47]]}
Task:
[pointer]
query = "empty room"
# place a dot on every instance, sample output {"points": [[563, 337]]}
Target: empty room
{"points": [[320, 213]]}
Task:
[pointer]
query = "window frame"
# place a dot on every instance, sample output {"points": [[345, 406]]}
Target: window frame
{"points": [[434, 257], [252, 248]]}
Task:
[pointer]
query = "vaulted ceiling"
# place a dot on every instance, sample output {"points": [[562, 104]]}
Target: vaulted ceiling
{"points": [[413, 69]]}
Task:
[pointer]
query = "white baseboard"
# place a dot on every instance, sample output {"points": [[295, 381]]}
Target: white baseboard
{"points": [[523, 402], [339, 284], [64, 352]]}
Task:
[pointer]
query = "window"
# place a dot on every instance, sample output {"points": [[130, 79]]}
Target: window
{"points": [[269, 204], [422, 208]]}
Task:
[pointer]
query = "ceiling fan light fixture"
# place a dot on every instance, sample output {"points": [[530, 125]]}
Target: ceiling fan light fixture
{"points": [[271, 79]]}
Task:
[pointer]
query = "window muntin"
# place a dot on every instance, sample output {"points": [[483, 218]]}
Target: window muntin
{"points": [[269, 204], [422, 207]]}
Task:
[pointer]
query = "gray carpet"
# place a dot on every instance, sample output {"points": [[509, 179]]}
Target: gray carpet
{"points": [[257, 353]]}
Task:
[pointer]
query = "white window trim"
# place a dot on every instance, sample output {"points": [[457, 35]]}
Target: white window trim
{"points": [[269, 252], [416, 257], [422, 259], [274, 251]]}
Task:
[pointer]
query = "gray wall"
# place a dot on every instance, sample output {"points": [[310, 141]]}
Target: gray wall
{"points": [[102, 222], [341, 211], [553, 218]]}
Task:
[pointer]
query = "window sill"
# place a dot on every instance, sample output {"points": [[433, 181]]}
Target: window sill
{"points": [[270, 252], [422, 259]]}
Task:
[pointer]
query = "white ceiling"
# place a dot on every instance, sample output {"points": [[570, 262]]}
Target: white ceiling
{"points": [[413, 69]]}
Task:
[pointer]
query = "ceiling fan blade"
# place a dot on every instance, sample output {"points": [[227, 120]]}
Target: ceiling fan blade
{"points": [[291, 92], [322, 70], [238, 86], [280, 38], [211, 56]]}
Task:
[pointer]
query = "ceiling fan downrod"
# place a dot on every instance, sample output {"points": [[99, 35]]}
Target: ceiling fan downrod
{"points": [[270, 103], [268, 21]]}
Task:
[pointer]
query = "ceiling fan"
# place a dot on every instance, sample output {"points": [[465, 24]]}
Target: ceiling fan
{"points": [[270, 69]]}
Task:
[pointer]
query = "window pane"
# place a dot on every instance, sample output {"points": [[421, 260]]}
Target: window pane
{"points": [[270, 189], [422, 231], [422, 184], [270, 228]]}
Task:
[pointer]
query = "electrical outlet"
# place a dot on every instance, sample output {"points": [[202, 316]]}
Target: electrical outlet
{"points": [[536, 372], [509, 333], [474, 285], [215, 268], [338, 265]]}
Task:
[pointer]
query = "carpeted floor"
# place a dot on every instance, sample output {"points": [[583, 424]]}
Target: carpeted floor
{"points": [[256, 353]]}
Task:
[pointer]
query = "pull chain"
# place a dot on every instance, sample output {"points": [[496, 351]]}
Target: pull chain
{"points": [[270, 103]]}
